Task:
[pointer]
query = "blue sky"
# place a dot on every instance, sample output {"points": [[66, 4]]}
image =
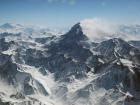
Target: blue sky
{"points": [[63, 13]]}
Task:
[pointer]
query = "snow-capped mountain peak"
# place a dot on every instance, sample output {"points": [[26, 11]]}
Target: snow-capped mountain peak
{"points": [[68, 70], [75, 33], [7, 26]]}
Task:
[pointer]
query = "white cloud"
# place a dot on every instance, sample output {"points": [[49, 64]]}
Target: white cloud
{"points": [[97, 29], [103, 3], [72, 2]]}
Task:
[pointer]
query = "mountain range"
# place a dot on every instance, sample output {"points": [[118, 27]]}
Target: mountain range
{"points": [[37, 68]]}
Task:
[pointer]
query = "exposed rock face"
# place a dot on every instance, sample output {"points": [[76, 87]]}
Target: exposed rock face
{"points": [[135, 43], [69, 69], [3, 45]]}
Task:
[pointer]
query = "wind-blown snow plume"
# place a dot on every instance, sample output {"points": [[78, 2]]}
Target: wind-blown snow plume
{"points": [[97, 29]]}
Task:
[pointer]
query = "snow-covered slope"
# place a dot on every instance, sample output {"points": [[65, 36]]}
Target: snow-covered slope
{"points": [[68, 70]]}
